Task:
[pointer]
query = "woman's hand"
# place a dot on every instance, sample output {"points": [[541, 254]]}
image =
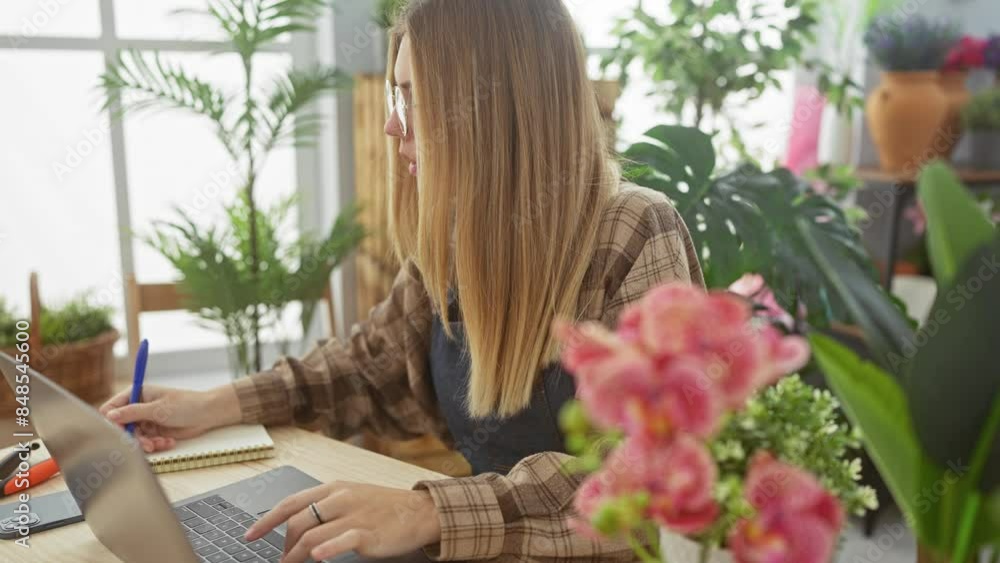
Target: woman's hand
{"points": [[374, 521], [167, 415]]}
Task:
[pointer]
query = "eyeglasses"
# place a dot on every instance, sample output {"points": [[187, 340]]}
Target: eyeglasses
{"points": [[397, 103]]}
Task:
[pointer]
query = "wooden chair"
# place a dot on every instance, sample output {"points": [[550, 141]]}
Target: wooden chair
{"points": [[159, 297]]}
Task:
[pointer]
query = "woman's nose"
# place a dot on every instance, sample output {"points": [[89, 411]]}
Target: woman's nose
{"points": [[393, 127]]}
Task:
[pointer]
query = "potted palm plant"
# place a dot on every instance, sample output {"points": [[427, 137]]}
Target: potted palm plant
{"points": [[909, 109], [240, 276]]}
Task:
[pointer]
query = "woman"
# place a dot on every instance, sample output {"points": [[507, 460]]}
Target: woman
{"points": [[506, 212]]}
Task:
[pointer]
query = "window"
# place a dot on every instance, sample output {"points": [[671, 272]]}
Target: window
{"points": [[56, 181], [83, 185]]}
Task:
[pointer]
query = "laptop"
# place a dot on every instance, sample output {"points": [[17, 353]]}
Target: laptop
{"points": [[121, 500]]}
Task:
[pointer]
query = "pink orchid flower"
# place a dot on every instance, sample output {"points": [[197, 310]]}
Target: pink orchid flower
{"points": [[632, 375], [796, 521], [678, 480]]}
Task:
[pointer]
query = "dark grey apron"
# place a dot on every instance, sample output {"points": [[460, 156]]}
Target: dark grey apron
{"points": [[494, 444]]}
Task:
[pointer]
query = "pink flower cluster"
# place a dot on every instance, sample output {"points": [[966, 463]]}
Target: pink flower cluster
{"points": [[969, 53], [974, 52], [797, 520], [680, 360]]}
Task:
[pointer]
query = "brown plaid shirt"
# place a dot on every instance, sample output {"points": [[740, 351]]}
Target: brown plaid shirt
{"points": [[377, 379]]}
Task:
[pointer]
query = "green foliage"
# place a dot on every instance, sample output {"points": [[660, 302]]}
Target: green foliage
{"points": [[710, 52], [931, 418], [840, 179], [387, 10], [746, 221], [75, 321], [218, 283], [982, 113], [876, 405], [800, 425], [250, 123], [8, 321], [956, 224]]}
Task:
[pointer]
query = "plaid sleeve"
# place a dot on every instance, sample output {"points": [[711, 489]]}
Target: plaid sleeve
{"points": [[521, 516], [360, 382]]}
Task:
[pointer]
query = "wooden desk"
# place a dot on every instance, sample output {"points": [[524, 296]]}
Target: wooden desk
{"points": [[324, 459]]}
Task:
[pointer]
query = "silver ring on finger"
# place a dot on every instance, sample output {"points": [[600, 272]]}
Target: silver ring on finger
{"points": [[315, 512]]}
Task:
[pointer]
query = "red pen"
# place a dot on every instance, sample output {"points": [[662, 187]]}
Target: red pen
{"points": [[36, 475]]}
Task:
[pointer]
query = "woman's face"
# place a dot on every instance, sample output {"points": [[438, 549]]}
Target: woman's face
{"points": [[394, 127]]}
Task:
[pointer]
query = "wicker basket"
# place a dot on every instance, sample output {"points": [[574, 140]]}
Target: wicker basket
{"points": [[85, 368]]}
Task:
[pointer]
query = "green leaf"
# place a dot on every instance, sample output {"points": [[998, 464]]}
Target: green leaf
{"points": [[954, 382], [692, 146], [887, 333], [745, 221], [876, 405], [956, 225]]}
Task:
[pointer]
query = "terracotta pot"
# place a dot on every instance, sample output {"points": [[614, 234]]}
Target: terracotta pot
{"points": [[955, 89], [905, 115]]}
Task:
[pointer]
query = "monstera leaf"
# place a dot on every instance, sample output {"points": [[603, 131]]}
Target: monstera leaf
{"points": [[746, 221]]}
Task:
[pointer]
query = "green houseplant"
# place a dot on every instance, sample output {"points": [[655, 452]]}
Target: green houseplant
{"points": [[981, 119], [238, 261], [746, 221], [707, 59], [72, 343], [929, 407]]}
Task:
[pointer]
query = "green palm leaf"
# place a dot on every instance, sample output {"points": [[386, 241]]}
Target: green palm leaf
{"points": [[147, 81], [290, 95]]}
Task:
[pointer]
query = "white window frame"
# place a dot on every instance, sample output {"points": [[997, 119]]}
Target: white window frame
{"points": [[326, 184]]}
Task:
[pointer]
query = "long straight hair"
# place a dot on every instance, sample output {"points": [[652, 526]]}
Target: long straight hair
{"points": [[514, 171]]}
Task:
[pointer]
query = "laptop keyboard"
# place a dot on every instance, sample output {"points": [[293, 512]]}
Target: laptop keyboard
{"points": [[215, 529]]}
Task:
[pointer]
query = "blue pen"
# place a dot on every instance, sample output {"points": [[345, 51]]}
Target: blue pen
{"points": [[140, 374]]}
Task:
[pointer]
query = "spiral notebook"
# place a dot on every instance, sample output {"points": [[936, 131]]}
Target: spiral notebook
{"points": [[232, 444]]}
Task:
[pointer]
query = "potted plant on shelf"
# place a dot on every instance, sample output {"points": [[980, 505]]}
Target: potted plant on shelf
{"points": [[72, 344], [981, 119], [929, 406], [908, 110], [691, 456], [967, 55], [241, 276]]}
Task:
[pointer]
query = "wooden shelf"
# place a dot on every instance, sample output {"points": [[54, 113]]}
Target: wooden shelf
{"points": [[967, 175]]}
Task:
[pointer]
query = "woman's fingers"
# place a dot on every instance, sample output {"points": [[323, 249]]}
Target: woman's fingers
{"points": [[330, 510], [138, 412], [119, 400], [299, 551], [285, 510], [361, 541]]}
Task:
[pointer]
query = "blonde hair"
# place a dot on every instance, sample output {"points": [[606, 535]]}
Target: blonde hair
{"points": [[514, 171]]}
